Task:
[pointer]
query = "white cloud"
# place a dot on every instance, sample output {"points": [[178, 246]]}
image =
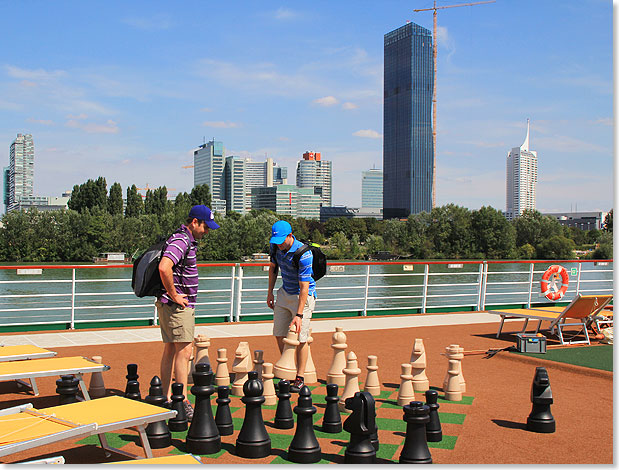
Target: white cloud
{"points": [[348, 105], [604, 121], [38, 74], [221, 124], [154, 23], [206, 110], [369, 133], [78, 117], [45, 122], [326, 101], [109, 127], [285, 14]]}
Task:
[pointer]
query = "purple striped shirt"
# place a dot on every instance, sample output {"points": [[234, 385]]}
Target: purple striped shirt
{"points": [[185, 272]]}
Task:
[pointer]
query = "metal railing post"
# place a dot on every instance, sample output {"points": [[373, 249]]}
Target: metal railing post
{"points": [[530, 284], [484, 286], [367, 286], [239, 295], [72, 324], [578, 279], [155, 316], [426, 273], [231, 314], [479, 286]]}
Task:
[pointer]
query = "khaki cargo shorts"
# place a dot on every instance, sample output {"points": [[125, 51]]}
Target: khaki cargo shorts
{"points": [[177, 324], [286, 308]]}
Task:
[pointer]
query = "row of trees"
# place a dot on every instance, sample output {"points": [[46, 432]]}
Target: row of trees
{"points": [[94, 224]]}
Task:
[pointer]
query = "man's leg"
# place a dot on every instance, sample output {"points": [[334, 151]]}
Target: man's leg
{"points": [[181, 364], [280, 343], [167, 361], [301, 358]]}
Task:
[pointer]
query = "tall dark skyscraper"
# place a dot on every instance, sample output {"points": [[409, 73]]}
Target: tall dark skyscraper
{"points": [[407, 122]]}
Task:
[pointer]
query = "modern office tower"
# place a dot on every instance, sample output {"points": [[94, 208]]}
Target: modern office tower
{"points": [[521, 179], [208, 162], [6, 174], [408, 152], [235, 184], [312, 172], [21, 169], [280, 175], [286, 199], [372, 188]]}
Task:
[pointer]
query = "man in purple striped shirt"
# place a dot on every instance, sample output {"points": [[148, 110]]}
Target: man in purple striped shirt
{"points": [[176, 308]]}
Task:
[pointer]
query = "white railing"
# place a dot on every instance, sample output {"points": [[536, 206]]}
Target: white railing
{"points": [[79, 295]]}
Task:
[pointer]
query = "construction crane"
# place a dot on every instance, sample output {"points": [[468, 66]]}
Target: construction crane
{"points": [[435, 8], [187, 166], [148, 187]]}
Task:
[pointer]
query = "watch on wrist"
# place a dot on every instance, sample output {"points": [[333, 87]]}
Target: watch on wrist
{"points": [[299, 315]]}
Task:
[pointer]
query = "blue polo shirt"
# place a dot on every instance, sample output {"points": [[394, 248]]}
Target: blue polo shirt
{"points": [[290, 276]]}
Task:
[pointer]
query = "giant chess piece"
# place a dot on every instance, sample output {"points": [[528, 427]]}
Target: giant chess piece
{"points": [[158, 433], [241, 367], [180, 422], [133, 390], [335, 374], [418, 362], [361, 424], [352, 372], [132, 374], [286, 366], [222, 376], [453, 391], [332, 420], [258, 361], [434, 432], [304, 447], [283, 413], [223, 417], [253, 441], [415, 449], [270, 397], [96, 389], [203, 436], [406, 393], [309, 375], [540, 419], [455, 353], [67, 388], [372, 383], [202, 344]]}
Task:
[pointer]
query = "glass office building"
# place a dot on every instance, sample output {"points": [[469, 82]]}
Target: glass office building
{"points": [[208, 161], [408, 153], [372, 188]]}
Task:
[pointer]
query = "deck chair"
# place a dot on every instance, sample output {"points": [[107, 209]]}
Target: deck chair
{"points": [[582, 310], [24, 352], [24, 427], [183, 459], [49, 367]]}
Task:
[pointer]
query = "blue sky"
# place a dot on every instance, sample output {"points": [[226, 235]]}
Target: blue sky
{"points": [[127, 90]]}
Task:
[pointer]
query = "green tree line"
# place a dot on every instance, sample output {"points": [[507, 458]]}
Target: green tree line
{"points": [[96, 223]]}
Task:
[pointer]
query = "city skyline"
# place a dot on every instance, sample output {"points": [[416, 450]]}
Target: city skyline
{"points": [[133, 106]]}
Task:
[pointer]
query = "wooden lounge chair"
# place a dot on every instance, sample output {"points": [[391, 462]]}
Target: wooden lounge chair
{"points": [[24, 352], [582, 311], [24, 427], [49, 367], [183, 459]]}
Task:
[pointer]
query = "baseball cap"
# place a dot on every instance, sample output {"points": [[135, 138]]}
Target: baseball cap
{"points": [[280, 230], [201, 212]]}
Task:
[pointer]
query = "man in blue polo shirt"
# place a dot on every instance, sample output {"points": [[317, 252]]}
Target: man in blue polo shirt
{"points": [[297, 296]]}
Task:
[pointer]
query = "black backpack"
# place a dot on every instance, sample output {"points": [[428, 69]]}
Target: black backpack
{"points": [[319, 261], [145, 280]]}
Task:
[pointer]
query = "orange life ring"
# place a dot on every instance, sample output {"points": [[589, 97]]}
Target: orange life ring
{"points": [[550, 279]]}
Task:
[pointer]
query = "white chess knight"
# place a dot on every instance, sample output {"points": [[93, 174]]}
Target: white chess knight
{"points": [[242, 365]]}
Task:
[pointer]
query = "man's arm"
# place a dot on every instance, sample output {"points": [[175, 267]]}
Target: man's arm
{"points": [[272, 279], [303, 290], [167, 279]]}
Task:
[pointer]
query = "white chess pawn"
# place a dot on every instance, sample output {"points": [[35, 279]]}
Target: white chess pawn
{"points": [[222, 376], [351, 372], [418, 363], [286, 366], [372, 384], [335, 374], [406, 394], [453, 391], [258, 362], [201, 344], [309, 376], [96, 389], [241, 367], [270, 397]]}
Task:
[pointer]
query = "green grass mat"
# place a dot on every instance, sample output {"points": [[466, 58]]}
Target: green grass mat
{"points": [[594, 357]]}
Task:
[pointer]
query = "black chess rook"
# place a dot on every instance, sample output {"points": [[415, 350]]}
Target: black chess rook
{"points": [[415, 450], [283, 413], [540, 419], [203, 436], [434, 432], [223, 416], [179, 423], [304, 447], [253, 441], [67, 386], [158, 433], [332, 420], [361, 424]]}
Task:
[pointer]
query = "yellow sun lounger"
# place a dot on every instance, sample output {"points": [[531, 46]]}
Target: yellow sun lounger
{"points": [[23, 352], [24, 427], [583, 309], [183, 459], [49, 367]]}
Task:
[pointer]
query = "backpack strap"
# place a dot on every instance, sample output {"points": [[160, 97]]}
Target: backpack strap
{"points": [[297, 255]]}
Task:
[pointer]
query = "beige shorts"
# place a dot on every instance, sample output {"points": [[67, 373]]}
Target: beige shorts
{"points": [[286, 308], [177, 324]]}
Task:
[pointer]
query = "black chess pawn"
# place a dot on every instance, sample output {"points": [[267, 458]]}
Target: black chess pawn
{"points": [[203, 436], [360, 424], [223, 417], [67, 386], [158, 433], [304, 447], [540, 419], [132, 374], [283, 414], [253, 441], [434, 432], [332, 420], [179, 422], [133, 390], [415, 449]]}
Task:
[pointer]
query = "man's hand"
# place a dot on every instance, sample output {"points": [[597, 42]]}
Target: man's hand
{"points": [[296, 324], [180, 299], [270, 300]]}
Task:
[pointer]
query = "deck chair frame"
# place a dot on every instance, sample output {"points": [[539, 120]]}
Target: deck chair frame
{"points": [[17, 353]]}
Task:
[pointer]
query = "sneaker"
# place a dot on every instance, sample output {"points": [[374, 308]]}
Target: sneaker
{"points": [[188, 410], [297, 385]]}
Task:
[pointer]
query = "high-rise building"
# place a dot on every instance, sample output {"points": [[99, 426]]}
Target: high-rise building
{"points": [[21, 170], [372, 188], [208, 162], [235, 184], [521, 179], [315, 173], [6, 188], [262, 175], [408, 152], [286, 199]]}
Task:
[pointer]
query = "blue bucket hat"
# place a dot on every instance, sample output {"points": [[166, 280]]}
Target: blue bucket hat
{"points": [[202, 212], [280, 230]]}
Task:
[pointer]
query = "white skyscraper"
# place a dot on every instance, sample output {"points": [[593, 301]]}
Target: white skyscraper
{"points": [[20, 182], [521, 179], [208, 161], [312, 172]]}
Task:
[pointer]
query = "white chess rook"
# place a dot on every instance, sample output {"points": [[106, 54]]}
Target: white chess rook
{"points": [[453, 391], [351, 372], [286, 366], [455, 352], [222, 376], [418, 363], [406, 394], [372, 384], [335, 374]]}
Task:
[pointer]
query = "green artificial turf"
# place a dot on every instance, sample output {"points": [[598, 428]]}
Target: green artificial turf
{"points": [[594, 357]]}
